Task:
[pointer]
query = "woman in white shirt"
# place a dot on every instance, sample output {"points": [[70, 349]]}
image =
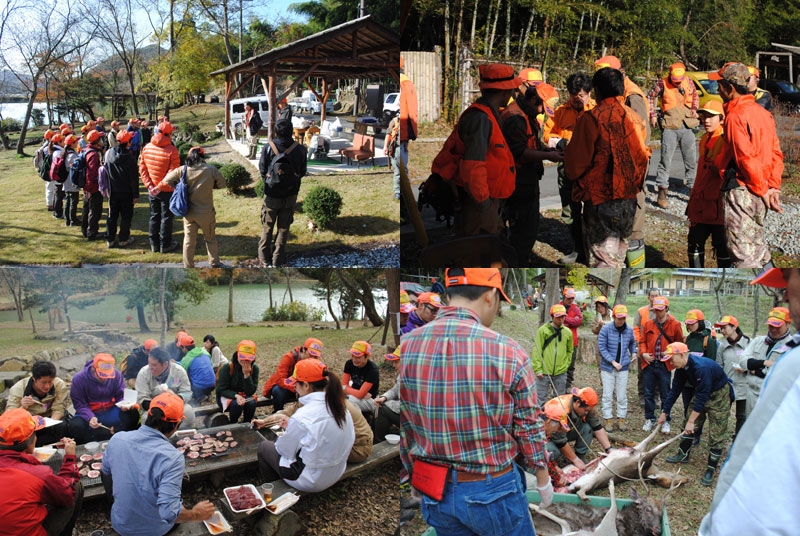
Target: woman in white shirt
{"points": [[312, 455], [212, 347]]}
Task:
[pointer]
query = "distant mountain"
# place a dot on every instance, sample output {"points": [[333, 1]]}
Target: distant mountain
{"points": [[9, 85], [114, 62]]}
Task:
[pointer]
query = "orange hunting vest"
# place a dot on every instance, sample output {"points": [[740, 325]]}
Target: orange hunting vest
{"points": [[514, 109], [672, 95]]}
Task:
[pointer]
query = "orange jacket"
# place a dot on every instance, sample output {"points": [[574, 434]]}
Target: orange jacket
{"points": [[408, 109], [607, 157], [750, 132], [642, 316], [705, 201], [159, 157], [650, 334], [494, 177], [563, 121], [285, 369]]}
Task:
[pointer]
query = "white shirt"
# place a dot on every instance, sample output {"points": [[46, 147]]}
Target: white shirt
{"points": [[217, 359], [322, 445]]}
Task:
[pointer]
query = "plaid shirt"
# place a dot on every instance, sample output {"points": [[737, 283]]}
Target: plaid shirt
{"points": [[467, 397], [658, 91]]}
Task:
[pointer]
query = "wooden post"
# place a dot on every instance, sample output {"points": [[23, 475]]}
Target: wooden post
{"points": [[273, 105], [325, 92], [227, 106]]}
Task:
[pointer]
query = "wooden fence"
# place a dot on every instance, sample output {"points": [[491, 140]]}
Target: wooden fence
{"points": [[425, 70]]}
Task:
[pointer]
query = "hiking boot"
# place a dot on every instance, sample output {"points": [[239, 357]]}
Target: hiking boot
{"points": [[682, 456], [570, 258], [621, 426], [662, 200], [171, 247], [609, 425], [648, 425], [112, 243]]}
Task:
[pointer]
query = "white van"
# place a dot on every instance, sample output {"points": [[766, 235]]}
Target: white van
{"points": [[238, 112]]}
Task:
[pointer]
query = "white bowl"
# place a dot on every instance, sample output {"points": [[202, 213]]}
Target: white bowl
{"points": [[92, 446], [393, 439]]}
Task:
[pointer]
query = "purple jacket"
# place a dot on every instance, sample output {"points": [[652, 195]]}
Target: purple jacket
{"points": [[413, 323], [89, 395]]}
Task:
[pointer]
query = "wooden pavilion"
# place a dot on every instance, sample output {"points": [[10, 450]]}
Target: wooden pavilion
{"points": [[360, 48]]}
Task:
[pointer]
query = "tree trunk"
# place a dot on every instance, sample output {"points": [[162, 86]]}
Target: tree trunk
{"points": [[494, 27], [718, 289], [66, 314], [230, 299], [289, 286], [447, 81], [33, 324], [269, 283], [486, 30], [553, 292], [143, 327], [393, 292], [28, 110], [578, 38], [472, 32], [364, 294], [527, 36], [623, 287], [133, 90], [755, 309], [161, 292], [508, 29], [685, 29], [546, 40], [328, 298], [51, 319], [596, 27]]}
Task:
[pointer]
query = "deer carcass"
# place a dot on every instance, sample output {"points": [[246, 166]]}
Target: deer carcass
{"points": [[620, 463], [607, 527]]}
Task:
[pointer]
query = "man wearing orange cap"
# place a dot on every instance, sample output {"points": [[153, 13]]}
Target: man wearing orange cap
{"points": [[522, 132], [763, 352], [762, 96], [584, 423], [42, 161], [276, 387], [557, 133], [137, 359], [705, 200], [159, 157], [476, 158], [361, 378], [655, 335], [70, 189], [92, 198], [123, 181], [764, 455], [143, 472], [553, 354], [610, 132], [197, 364], [753, 177], [136, 141], [729, 355], [173, 349], [35, 502], [573, 320], [713, 397], [678, 100], [478, 430], [95, 391], [407, 124], [428, 304], [701, 340], [111, 137]]}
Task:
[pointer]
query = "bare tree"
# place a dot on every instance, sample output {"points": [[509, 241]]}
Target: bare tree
{"points": [[718, 289], [12, 277], [43, 34], [230, 296], [553, 290], [162, 290], [624, 286]]}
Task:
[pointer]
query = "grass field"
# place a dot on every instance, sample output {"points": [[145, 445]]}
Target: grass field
{"points": [[30, 235]]}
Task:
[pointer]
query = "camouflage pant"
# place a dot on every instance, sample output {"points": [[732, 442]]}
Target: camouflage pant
{"points": [[718, 410], [744, 218], [606, 228]]}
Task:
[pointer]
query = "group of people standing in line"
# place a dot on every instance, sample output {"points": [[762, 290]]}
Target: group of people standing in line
{"points": [[493, 161]]}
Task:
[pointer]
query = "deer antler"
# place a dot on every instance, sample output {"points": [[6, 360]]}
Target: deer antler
{"points": [[673, 486]]}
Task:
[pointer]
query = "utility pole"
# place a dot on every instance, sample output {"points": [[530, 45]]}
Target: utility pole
{"points": [[356, 102]]}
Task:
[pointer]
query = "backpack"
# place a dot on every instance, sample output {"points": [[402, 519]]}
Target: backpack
{"points": [[45, 163], [103, 182], [58, 169], [38, 158], [77, 171], [179, 202], [281, 180], [256, 122]]}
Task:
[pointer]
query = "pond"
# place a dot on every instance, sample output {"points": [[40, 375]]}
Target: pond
{"points": [[249, 303]]}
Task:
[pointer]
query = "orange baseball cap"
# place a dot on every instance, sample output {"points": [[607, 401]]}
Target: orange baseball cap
{"points": [[149, 344], [569, 292], [90, 123], [674, 348], [104, 365], [712, 107], [620, 311], [360, 348], [391, 356], [773, 277], [179, 334], [114, 124], [314, 346], [778, 316], [93, 136], [660, 302], [62, 126], [693, 315], [498, 76], [71, 139], [125, 136], [727, 320], [84, 128], [185, 340], [430, 298], [531, 76], [308, 370], [165, 127], [171, 404], [246, 350], [601, 299], [587, 395], [553, 410], [405, 303], [677, 72], [57, 138], [612, 62], [549, 97], [480, 277], [48, 134], [558, 310], [17, 425]]}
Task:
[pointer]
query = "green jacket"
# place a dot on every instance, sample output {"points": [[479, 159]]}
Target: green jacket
{"points": [[702, 342], [186, 362], [555, 358], [231, 381]]}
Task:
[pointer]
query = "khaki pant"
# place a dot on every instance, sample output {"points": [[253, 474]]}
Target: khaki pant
{"points": [[207, 221], [359, 453], [281, 211], [744, 216], [252, 146], [474, 218]]}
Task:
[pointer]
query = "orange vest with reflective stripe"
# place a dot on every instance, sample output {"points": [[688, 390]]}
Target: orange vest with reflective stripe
{"points": [[499, 162], [514, 109], [632, 89], [672, 96]]}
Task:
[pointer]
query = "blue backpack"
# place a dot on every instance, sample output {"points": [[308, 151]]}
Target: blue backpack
{"points": [[77, 171], [179, 202]]}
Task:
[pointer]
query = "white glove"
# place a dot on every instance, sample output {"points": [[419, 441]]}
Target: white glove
{"points": [[546, 493]]}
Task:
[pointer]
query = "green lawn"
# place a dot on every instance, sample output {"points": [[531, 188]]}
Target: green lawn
{"points": [[30, 235]]}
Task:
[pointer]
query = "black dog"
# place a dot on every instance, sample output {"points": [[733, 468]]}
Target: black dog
{"points": [[437, 193]]}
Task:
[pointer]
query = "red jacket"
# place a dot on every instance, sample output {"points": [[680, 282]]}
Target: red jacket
{"points": [[285, 369], [750, 131], [159, 157], [651, 333], [573, 320], [92, 170], [27, 487]]}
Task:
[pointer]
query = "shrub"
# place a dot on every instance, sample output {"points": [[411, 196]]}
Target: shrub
{"points": [[198, 137], [10, 124], [190, 128], [183, 150], [216, 164], [294, 311], [211, 136], [323, 205], [236, 177], [259, 188]]}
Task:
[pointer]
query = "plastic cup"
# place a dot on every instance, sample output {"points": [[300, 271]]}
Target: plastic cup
{"points": [[266, 492]]}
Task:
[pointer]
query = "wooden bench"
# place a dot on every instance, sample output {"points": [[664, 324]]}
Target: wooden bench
{"points": [[363, 148]]}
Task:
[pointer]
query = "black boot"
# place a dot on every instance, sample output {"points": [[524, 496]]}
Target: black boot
{"points": [[682, 456], [713, 459], [724, 262], [697, 433]]}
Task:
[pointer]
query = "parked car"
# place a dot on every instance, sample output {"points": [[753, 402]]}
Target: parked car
{"points": [[782, 91], [309, 103], [706, 89], [238, 112], [214, 99], [391, 102]]}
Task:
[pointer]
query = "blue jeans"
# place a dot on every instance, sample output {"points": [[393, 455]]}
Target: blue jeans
{"points": [[281, 396], [495, 506], [235, 410], [655, 375]]}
